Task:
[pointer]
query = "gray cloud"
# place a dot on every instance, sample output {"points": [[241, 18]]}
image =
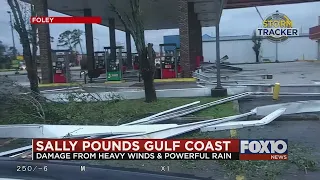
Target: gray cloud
{"points": [[233, 22]]}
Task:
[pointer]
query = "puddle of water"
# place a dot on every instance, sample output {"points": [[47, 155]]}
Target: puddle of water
{"points": [[316, 82]]}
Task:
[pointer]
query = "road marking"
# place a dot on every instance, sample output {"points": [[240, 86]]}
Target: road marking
{"points": [[201, 86], [240, 177], [233, 133]]}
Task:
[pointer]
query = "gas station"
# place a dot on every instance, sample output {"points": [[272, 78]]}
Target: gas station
{"points": [[314, 34], [189, 16], [60, 65]]}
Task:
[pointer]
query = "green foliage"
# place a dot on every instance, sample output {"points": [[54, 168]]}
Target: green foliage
{"points": [[76, 38], [2, 49], [71, 39], [65, 39], [300, 157], [112, 112], [5, 58]]}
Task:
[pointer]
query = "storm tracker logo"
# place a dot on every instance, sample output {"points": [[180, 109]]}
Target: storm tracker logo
{"points": [[277, 27]]}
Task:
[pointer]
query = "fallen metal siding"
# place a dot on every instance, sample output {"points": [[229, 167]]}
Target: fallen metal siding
{"points": [[15, 151], [242, 124], [60, 131], [291, 108], [161, 113], [180, 129], [195, 109]]}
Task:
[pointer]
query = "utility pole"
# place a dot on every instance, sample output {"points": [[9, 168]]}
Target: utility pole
{"points": [[318, 41], [218, 91], [259, 13], [13, 43], [218, 65], [277, 60]]}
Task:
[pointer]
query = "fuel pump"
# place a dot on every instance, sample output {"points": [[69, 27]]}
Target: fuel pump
{"points": [[100, 61], [61, 69], [114, 66], [168, 62], [136, 65], [124, 62]]}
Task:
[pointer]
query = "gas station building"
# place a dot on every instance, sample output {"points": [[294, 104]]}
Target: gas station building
{"points": [[314, 34], [189, 16]]}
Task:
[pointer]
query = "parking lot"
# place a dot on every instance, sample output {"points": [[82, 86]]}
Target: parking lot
{"points": [[284, 73]]}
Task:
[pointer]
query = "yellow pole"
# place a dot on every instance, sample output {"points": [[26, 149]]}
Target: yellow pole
{"points": [[233, 133], [276, 91], [240, 177]]}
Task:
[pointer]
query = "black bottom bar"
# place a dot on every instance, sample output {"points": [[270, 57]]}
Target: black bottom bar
{"points": [[135, 156]]}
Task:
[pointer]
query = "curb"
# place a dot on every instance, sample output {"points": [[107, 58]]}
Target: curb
{"points": [[114, 82], [292, 117], [8, 70], [314, 61], [262, 62], [59, 84], [176, 80]]}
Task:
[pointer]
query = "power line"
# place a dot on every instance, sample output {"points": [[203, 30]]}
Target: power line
{"points": [[259, 13]]}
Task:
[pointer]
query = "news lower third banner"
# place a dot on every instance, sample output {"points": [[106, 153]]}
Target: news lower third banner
{"points": [[159, 149], [135, 156]]}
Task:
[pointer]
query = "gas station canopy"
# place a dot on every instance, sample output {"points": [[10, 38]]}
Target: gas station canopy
{"points": [[158, 14]]}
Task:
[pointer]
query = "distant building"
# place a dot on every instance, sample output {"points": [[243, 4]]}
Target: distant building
{"points": [[239, 48]]}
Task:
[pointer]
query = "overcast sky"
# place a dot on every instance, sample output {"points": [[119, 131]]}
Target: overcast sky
{"points": [[233, 22]]}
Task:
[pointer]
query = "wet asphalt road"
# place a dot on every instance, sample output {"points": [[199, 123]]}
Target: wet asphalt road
{"points": [[249, 103]]}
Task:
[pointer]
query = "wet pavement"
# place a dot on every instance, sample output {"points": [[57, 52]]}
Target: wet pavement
{"points": [[67, 171], [170, 85], [249, 103], [284, 73]]}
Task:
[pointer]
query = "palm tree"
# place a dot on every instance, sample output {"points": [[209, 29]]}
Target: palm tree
{"points": [[76, 38], [65, 39]]}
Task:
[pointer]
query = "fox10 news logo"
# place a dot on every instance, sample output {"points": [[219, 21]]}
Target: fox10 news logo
{"points": [[277, 27], [264, 149]]}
